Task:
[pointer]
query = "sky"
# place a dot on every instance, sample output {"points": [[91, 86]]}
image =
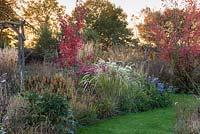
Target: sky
{"points": [[129, 6]]}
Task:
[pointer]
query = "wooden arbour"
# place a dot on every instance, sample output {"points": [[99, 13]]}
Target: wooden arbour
{"points": [[17, 27]]}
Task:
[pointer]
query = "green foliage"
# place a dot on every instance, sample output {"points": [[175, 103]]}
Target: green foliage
{"points": [[143, 96], [50, 108], [36, 113], [108, 22], [90, 35], [46, 43]]}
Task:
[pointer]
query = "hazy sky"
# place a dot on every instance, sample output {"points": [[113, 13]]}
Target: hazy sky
{"points": [[129, 6]]}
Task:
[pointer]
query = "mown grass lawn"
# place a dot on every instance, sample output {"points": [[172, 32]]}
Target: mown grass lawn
{"points": [[158, 121]]}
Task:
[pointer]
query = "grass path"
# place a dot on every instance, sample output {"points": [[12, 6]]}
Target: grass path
{"points": [[159, 121]]}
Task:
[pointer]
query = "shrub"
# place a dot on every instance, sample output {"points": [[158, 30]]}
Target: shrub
{"points": [[36, 113], [144, 95], [71, 42], [51, 109]]}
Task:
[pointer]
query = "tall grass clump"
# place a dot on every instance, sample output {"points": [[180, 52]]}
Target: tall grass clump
{"points": [[188, 117], [8, 61], [119, 88]]}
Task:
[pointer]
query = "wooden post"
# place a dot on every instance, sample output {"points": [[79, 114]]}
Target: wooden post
{"points": [[21, 55], [20, 58], [23, 58]]}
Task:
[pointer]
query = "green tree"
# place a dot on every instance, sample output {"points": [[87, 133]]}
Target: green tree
{"points": [[108, 22], [46, 43]]}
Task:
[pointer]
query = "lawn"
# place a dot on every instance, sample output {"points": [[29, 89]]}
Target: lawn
{"points": [[158, 121]]}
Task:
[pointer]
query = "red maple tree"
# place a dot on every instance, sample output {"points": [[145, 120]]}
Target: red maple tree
{"points": [[176, 33], [72, 40]]}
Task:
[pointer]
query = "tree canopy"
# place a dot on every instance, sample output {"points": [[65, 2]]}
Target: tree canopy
{"points": [[41, 11], [175, 32], [6, 10], [108, 22], [7, 14]]}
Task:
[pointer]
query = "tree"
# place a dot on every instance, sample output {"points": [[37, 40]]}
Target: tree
{"points": [[40, 11], [37, 13], [175, 32], [7, 14], [150, 17], [72, 40], [6, 10], [46, 43], [108, 22]]}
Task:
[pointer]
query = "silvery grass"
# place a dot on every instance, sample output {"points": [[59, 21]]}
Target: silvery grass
{"points": [[125, 76], [113, 78]]}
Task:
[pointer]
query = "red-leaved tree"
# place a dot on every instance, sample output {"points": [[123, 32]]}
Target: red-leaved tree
{"points": [[176, 33], [72, 40]]}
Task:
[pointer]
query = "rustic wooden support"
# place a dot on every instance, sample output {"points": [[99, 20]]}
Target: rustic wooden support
{"points": [[4, 22], [18, 27]]}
